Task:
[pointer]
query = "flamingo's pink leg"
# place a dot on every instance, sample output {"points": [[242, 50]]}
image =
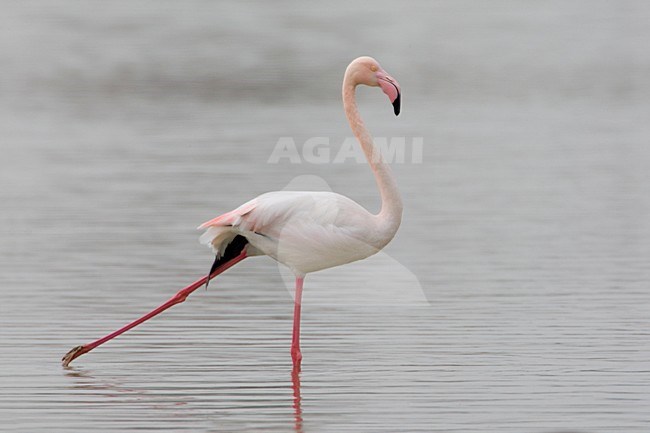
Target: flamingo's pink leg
{"points": [[176, 299], [296, 356]]}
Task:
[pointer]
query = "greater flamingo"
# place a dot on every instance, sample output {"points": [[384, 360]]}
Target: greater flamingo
{"points": [[306, 231]]}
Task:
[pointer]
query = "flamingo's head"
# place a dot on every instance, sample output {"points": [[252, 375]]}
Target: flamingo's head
{"points": [[366, 70]]}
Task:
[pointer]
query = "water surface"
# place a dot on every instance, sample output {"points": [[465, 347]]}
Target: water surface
{"points": [[514, 297]]}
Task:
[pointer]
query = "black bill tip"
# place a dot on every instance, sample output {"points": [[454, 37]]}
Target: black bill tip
{"points": [[397, 103]]}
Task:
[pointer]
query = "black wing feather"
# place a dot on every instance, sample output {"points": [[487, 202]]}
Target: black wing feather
{"points": [[233, 249]]}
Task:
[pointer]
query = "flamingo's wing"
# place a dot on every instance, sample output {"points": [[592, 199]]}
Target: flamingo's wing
{"points": [[220, 231], [230, 218], [295, 227], [265, 215]]}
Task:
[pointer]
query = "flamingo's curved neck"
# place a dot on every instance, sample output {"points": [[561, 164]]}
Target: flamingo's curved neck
{"points": [[390, 214]]}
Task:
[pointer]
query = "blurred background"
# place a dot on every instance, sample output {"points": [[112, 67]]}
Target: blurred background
{"points": [[124, 125]]}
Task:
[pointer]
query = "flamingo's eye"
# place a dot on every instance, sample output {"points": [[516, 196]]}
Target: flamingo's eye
{"points": [[373, 68]]}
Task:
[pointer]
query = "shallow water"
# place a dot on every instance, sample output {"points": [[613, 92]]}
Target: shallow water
{"points": [[514, 297]]}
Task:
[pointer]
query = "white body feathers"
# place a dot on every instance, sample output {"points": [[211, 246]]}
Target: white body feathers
{"points": [[306, 231]]}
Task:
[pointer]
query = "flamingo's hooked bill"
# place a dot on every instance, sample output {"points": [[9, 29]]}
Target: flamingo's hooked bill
{"points": [[396, 104], [391, 89]]}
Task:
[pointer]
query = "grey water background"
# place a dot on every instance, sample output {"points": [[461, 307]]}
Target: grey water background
{"points": [[124, 125]]}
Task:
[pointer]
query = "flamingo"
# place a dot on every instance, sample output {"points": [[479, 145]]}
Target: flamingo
{"points": [[305, 230]]}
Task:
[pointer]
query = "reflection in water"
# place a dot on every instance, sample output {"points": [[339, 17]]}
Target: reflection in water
{"points": [[295, 381], [182, 398], [85, 381]]}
